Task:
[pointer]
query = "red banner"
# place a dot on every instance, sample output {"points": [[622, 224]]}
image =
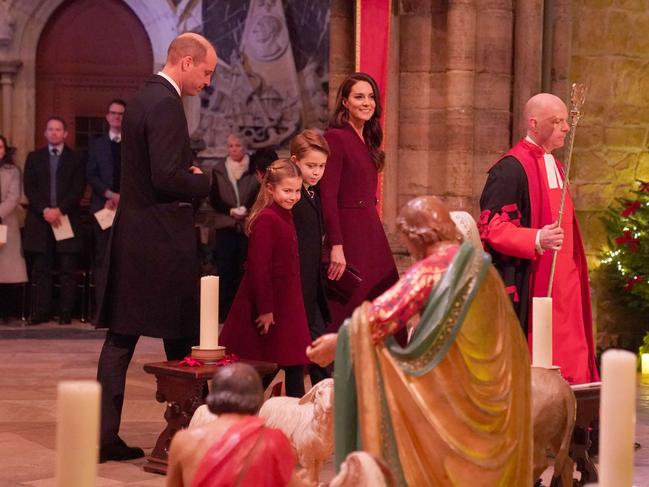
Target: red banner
{"points": [[373, 24]]}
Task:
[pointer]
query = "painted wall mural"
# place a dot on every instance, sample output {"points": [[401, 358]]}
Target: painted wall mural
{"points": [[272, 76]]}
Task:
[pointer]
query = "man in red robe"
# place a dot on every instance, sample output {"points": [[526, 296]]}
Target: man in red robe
{"points": [[518, 226], [236, 448]]}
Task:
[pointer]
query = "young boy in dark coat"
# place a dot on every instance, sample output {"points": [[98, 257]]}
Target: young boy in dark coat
{"points": [[309, 150]]}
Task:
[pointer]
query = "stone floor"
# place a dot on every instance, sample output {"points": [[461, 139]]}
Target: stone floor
{"points": [[34, 359]]}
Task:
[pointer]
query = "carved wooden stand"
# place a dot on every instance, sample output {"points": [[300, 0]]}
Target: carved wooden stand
{"points": [[183, 389], [586, 425]]}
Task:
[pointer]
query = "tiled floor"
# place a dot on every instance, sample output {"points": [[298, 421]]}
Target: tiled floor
{"points": [[34, 359]]}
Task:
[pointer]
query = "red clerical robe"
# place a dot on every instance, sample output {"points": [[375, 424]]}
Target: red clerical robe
{"points": [[248, 454], [517, 201]]}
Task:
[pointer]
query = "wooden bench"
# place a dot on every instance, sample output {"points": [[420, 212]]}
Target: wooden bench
{"points": [[183, 389]]}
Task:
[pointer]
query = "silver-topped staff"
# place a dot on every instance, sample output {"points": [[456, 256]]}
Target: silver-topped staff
{"points": [[577, 99]]}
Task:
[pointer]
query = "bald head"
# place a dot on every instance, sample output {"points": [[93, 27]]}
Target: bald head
{"points": [[540, 104], [189, 44], [547, 120]]}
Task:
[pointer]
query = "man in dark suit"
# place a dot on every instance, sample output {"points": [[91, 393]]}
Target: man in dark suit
{"points": [[103, 172], [54, 185], [151, 281]]}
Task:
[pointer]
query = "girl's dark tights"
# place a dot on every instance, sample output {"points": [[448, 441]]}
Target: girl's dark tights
{"points": [[294, 380]]}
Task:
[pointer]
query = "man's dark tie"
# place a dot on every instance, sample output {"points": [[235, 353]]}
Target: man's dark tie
{"points": [[54, 165], [310, 192]]}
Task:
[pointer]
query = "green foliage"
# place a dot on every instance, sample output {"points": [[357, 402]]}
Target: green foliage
{"points": [[644, 348], [625, 263]]}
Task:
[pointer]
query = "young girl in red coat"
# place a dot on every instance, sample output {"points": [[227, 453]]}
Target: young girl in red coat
{"points": [[267, 320]]}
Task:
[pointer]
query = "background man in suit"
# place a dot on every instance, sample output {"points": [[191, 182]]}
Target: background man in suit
{"points": [[151, 283], [54, 184], [103, 172]]}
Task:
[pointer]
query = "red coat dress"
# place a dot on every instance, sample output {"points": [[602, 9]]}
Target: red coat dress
{"points": [[271, 283], [348, 193]]}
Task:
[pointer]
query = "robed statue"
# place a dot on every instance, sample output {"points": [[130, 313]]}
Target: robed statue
{"points": [[452, 407]]}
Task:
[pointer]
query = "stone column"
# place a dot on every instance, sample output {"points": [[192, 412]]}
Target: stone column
{"points": [[460, 102], [493, 88], [341, 45], [528, 41], [391, 142], [8, 70], [561, 48]]}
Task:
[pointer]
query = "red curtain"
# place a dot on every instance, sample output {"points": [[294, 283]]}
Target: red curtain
{"points": [[373, 23]]}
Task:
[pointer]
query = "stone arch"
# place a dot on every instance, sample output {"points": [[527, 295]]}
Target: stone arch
{"points": [[83, 60], [31, 17]]}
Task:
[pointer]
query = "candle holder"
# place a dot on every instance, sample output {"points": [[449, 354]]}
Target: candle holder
{"points": [[208, 355]]}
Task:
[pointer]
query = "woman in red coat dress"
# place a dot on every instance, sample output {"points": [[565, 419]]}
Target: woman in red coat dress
{"points": [[348, 192], [267, 320]]}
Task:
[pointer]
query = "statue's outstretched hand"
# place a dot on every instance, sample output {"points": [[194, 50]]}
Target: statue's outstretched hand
{"points": [[323, 349]]}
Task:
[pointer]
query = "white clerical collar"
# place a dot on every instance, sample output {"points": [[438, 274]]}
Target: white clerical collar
{"points": [[554, 177], [114, 135], [170, 79]]}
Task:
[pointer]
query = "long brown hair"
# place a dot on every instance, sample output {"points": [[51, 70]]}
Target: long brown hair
{"points": [[306, 141], [276, 172], [9, 152], [372, 131]]}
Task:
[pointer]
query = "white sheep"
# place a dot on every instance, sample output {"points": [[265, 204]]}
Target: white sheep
{"points": [[308, 424]]}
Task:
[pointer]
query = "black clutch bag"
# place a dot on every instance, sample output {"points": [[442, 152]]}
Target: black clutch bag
{"points": [[342, 289]]}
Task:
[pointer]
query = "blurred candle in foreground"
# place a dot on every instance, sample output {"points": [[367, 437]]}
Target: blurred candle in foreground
{"points": [[209, 312], [542, 332], [617, 418], [77, 433]]}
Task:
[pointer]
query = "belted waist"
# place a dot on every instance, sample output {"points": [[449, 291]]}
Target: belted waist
{"points": [[359, 203]]}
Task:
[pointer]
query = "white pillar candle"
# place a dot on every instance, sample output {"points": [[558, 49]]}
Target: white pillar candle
{"points": [[542, 332], [77, 433], [617, 419], [645, 363], [209, 312]]}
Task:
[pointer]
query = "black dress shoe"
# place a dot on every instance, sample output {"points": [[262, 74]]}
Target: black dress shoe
{"points": [[38, 319], [65, 319], [119, 452]]}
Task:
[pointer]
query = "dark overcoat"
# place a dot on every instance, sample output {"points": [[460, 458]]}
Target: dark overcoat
{"points": [[271, 283], [348, 191], [223, 198], [70, 185], [99, 170], [307, 216], [151, 284]]}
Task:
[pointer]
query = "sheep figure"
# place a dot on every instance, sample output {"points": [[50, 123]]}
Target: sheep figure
{"points": [[201, 416], [308, 424], [361, 469]]}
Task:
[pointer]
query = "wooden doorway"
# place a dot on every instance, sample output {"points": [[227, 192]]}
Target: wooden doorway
{"points": [[89, 53]]}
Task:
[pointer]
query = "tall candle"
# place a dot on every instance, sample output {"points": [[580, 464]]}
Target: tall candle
{"points": [[77, 433], [617, 419], [209, 312], [542, 332]]}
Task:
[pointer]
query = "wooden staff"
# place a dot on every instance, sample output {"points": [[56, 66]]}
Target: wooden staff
{"points": [[577, 99]]}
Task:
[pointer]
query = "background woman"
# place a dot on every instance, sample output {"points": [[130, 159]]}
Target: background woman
{"points": [[234, 189], [353, 229], [12, 263]]}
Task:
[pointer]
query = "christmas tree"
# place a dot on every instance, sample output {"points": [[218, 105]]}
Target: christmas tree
{"points": [[625, 264]]}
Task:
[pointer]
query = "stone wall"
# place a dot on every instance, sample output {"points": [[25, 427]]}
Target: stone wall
{"points": [[610, 53]]}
